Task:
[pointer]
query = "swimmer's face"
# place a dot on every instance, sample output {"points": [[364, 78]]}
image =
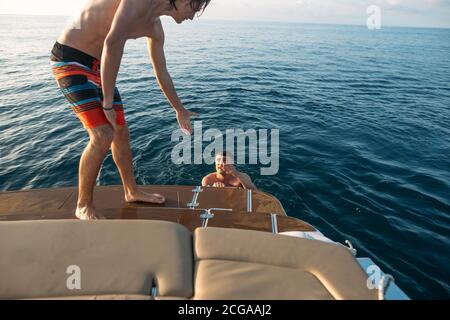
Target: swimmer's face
{"points": [[221, 161]]}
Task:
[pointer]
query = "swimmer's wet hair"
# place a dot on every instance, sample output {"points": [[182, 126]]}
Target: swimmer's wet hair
{"points": [[198, 5], [225, 154]]}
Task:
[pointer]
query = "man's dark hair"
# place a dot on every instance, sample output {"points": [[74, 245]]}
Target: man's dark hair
{"points": [[225, 154], [197, 5]]}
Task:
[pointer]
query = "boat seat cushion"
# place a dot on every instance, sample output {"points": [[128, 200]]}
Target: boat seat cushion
{"points": [[243, 264], [114, 258]]}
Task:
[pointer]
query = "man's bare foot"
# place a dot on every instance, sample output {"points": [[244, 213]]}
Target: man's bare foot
{"points": [[141, 196], [88, 213]]}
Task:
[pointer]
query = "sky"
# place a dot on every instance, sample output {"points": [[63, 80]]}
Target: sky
{"points": [[417, 13]]}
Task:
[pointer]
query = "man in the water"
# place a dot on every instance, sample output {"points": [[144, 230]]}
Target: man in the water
{"points": [[85, 62], [227, 175]]}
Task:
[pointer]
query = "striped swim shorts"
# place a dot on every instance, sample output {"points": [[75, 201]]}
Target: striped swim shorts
{"points": [[78, 76]]}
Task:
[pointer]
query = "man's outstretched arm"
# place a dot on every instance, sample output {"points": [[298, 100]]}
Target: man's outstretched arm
{"points": [[113, 47], [158, 58]]}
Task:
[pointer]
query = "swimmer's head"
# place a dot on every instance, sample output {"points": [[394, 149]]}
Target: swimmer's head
{"points": [[222, 159]]}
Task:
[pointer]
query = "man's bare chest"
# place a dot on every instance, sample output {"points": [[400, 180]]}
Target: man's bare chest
{"points": [[143, 27]]}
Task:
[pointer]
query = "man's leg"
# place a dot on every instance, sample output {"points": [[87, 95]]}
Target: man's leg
{"points": [[121, 152], [90, 164]]}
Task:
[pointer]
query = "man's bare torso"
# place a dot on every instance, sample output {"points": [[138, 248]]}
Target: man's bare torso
{"points": [[90, 29]]}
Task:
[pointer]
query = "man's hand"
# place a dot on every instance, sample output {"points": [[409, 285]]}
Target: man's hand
{"points": [[244, 178], [110, 114], [219, 184], [184, 120]]}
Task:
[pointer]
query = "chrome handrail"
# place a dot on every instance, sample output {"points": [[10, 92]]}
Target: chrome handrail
{"points": [[206, 215], [196, 191], [350, 247], [273, 217], [154, 290], [249, 200]]}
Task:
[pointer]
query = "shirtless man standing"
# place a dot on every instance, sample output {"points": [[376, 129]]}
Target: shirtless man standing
{"points": [[85, 62]]}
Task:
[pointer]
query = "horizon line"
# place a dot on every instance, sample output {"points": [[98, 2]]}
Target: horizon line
{"points": [[253, 21]]}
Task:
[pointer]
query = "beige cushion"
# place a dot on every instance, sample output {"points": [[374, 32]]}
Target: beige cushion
{"points": [[115, 258], [118, 259], [243, 264]]}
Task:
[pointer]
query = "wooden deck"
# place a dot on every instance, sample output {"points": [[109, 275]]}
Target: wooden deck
{"points": [[249, 210]]}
